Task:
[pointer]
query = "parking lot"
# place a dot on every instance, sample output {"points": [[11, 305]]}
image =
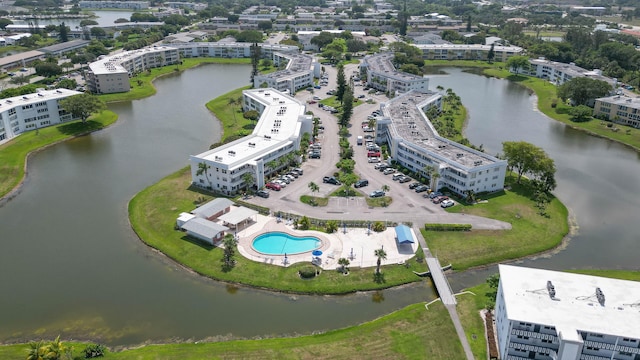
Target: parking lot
{"points": [[406, 205]]}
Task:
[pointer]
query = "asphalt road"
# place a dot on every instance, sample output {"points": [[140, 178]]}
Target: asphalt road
{"points": [[406, 205]]}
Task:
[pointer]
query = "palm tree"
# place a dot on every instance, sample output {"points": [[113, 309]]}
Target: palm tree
{"points": [[247, 179], [428, 171], [272, 165], [230, 244], [344, 262], [54, 350], [381, 255], [203, 168], [434, 181], [386, 188], [232, 102], [313, 187], [36, 351]]}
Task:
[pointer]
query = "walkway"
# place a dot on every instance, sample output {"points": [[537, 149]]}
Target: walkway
{"points": [[444, 290]]}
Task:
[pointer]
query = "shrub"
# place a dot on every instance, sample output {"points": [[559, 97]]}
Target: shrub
{"points": [[379, 226], [304, 223], [447, 227], [308, 272], [94, 351], [331, 226], [251, 115]]}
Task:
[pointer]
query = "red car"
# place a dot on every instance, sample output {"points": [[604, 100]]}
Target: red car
{"points": [[439, 199], [373, 154], [273, 186]]}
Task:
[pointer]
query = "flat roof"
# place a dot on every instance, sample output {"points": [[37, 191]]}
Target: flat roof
{"points": [[500, 48], [112, 64], [65, 45], [409, 122], [575, 306], [27, 55], [573, 70], [633, 102], [298, 63], [276, 126], [381, 63], [42, 95]]}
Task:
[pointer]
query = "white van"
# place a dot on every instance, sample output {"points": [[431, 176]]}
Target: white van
{"points": [[360, 140]]}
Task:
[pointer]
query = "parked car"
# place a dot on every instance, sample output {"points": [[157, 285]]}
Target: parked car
{"points": [[293, 173], [373, 154], [283, 179], [389, 171], [421, 188], [376, 193], [439, 199], [273, 186], [435, 194], [262, 193], [282, 183], [361, 183], [414, 185], [311, 101], [447, 203], [299, 171], [404, 179], [374, 159], [314, 156], [397, 176], [331, 180]]}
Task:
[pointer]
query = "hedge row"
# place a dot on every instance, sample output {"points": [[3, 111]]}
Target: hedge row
{"points": [[447, 227]]}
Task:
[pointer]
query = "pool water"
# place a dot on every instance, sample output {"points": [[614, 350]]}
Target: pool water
{"points": [[278, 243]]}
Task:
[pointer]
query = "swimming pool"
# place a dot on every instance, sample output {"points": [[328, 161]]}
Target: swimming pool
{"points": [[279, 243]]}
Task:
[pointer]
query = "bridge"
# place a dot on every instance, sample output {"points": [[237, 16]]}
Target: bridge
{"points": [[444, 290]]}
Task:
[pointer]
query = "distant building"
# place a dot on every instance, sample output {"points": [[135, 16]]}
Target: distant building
{"points": [[467, 51], [231, 49], [32, 111], [299, 73], [64, 47], [380, 74], [185, 5], [619, 109], [106, 4], [415, 144], [277, 134], [548, 315], [559, 73], [21, 59], [111, 73]]}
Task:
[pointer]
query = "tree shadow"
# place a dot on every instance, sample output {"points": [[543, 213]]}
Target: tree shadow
{"points": [[516, 78], [378, 278], [79, 127], [250, 126]]}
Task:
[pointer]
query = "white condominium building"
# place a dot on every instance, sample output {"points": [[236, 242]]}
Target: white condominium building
{"points": [[111, 73], [101, 4], [32, 111], [467, 51], [382, 75], [298, 74], [230, 49], [619, 109], [559, 73], [415, 144], [551, 315], [278, 132]]}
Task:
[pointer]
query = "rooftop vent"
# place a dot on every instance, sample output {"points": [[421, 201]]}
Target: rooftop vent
{"points": [[551, 289], [600, 296], [267, 136], [252, 144], [476, 163], [218, 158], [232, 153]]}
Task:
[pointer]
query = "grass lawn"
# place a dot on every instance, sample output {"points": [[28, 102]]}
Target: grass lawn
{"points": [[469, 307], [153, 212], [230, 114], [13, 154], [383, 201], [314, 200], [410, 333], [531, 233]]}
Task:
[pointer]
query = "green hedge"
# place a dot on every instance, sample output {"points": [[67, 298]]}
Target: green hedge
{"points": [[447, 227]]}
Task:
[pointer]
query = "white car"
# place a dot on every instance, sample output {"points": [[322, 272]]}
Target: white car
{"points": [[389, 171], [447, 203], [374, 160], [397, 176]]}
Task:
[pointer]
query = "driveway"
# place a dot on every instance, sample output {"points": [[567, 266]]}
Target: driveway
{"points": [[407, 206]]}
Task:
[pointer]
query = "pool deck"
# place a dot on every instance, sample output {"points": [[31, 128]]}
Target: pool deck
{"points": [[334, 246]]}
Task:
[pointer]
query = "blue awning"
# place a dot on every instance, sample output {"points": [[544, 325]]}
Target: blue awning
{"points": [[403, 234]]}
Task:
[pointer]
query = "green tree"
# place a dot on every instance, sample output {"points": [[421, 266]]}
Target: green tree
{"points": [[82, 105], [304, 223], [344, 263], [342, 83], [19, 80], [63, 32], [347, 107], [48, 69], [321, 40], [381, 255], [491, 54], [331, 226], [580, 113], [265, 25], [335, 50], [4, 22], [386, 188], [582, 90], [525, 158], [248, 181], [203, 168], [411, 69], [517, 63], [493, 281], [98, 32], [347, 180], [255, 60], [67, 84], [313, 187], [228, 261]]}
